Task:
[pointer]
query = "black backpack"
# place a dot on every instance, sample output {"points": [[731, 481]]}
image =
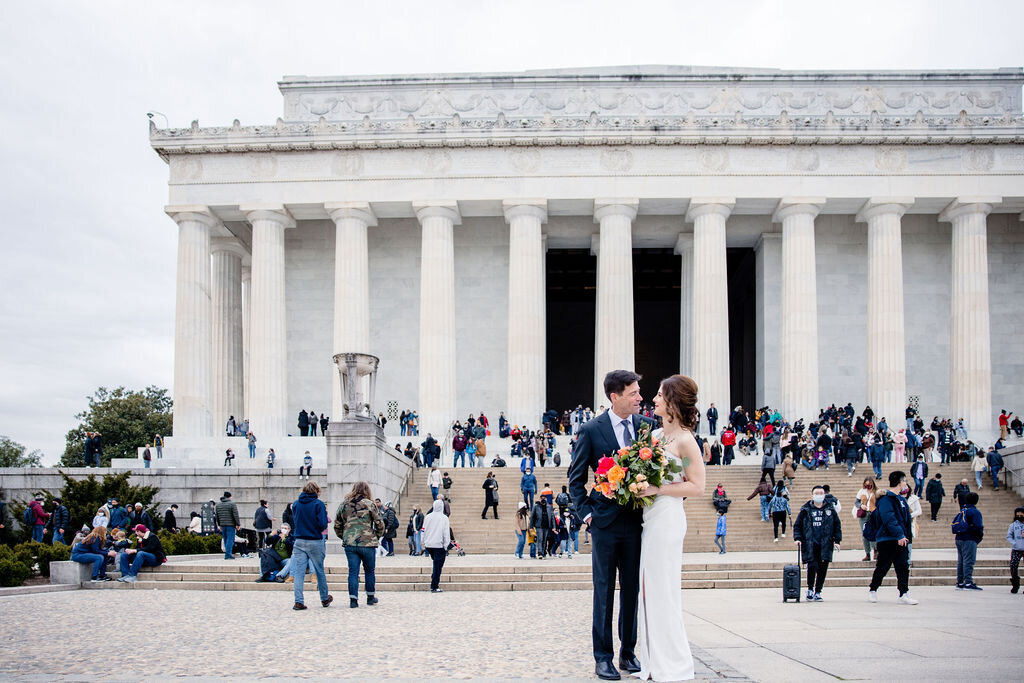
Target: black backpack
{"points": [[29, 516], [562, 499]]}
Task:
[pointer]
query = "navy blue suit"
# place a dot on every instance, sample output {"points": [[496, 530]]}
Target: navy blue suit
{"points": [[615, 538]]}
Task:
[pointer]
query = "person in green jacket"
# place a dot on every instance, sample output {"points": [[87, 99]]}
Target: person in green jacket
{"points": [[228, 521]]}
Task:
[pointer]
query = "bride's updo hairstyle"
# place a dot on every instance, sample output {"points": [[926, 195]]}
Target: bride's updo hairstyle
{"points": [[680, 394]]}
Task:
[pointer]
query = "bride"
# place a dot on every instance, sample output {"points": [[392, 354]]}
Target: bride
{"points": [[662, 647]]}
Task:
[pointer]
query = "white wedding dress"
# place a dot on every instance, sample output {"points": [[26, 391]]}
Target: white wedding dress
{"points": [[662, 647]]}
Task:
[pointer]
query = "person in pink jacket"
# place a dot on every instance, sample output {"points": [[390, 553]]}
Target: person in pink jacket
{"points": [[899, 446]]}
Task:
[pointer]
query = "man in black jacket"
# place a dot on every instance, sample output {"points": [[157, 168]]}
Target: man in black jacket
{"points": [[712, 418], [542, 521], [960, 492], [817, 532], [170, 519], [60, 519], [934, 494], [615, 530]]}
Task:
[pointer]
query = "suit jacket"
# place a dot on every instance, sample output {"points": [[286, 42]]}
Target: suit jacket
{"points": [[597, 440]]}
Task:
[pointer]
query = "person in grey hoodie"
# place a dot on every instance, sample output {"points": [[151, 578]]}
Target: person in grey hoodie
{"points": [[1015, 537]]}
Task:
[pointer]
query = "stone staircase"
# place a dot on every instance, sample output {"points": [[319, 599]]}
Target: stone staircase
{"points": [[746, 530], [535, 575]]}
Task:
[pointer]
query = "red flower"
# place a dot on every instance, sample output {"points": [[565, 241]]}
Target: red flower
{"points": [[605, 464]]}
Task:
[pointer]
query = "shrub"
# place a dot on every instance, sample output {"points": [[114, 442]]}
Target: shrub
{"points": [[12, 573], [45, 554], [189, 544]]}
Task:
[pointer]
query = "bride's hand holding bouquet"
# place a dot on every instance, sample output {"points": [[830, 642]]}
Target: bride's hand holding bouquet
{"points": [[635, 474]]}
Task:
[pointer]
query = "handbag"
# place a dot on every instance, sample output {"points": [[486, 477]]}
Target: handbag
{"points": [[531, 536]]}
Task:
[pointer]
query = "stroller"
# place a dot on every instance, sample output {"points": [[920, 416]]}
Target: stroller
{"points": [[454, 547]]}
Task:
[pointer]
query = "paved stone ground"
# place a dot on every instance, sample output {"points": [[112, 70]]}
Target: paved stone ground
{"points": [[501, 636]]}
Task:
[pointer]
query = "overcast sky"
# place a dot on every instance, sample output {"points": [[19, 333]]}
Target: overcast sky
{"points": [[87, 257]]}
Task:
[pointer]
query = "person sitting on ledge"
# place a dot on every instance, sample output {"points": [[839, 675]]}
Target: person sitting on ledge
{"points": [[90, 551], [149, 554]]}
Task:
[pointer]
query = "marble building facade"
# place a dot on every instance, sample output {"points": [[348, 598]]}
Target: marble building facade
{"points": [[409, 217]]}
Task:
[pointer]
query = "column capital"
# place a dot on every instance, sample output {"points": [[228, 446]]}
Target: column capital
{"points": [[444, 209], [228, 244], [268, 212], [358, 210], [615, 207], [684, 243], [795, 206], [702, 206], [879, 206], [513, 208], [962, 205], [192, 212]]}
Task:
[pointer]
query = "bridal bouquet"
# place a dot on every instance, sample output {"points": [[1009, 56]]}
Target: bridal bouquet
{"points": [[633, 469]]}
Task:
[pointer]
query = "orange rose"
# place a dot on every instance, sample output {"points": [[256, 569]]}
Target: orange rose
{"points": [[623, 452], [615, 475], [606, 489], [646, 454]]}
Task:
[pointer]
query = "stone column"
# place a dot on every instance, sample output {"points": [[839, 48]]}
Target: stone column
{"points": [[799, 329], [709, 364], [227, 330], [246, 308], [437, 317], [970, 348], [614, 348], [684, 247], [886, 343], [192, 325], [526, 338], [268, 350], [351, 284]]}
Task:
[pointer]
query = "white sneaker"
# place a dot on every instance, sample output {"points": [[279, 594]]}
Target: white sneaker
{"points": [[872, 596], [783, 535], [905, 599], [775, 540]]}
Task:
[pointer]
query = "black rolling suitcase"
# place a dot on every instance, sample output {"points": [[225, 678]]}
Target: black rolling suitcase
{"points": [[791, 580]]}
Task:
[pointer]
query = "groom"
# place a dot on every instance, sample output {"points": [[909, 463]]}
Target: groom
{"points": [[614, 529]]}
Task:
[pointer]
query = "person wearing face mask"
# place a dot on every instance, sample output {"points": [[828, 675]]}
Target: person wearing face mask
{"points": [[1015, 537], [817, 532]]}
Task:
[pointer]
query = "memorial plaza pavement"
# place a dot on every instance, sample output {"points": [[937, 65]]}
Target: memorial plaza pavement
{"points": [[741, 634]]}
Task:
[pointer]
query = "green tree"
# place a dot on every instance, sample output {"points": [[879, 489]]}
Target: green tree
{"points": [[126, 419], [12, 454]]}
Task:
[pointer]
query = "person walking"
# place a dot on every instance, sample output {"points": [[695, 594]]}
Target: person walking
{"points": [[867, 497], [434, 482], [60, 519], [779, 508], [978, 465], [414, 531], [250, 439], [764, 490], [934, 493], [969, 529], [390, 528], [995, 463], [892, 533], [542, 520], [528, 485], [721, 528], [490, 487], [360, 527], [960, 492], [226, 513], [1015, 537], [768, 466], [436, 536], [919, 472], [310, 515], [817, 532], [522, 527]]}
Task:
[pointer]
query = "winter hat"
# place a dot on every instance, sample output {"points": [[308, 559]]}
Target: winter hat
{"points": [[521, 505], [139, 529], [227, 494]]}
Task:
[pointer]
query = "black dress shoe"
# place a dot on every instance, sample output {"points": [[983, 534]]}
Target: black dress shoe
{"points": [[605, 671], [630, 664]]}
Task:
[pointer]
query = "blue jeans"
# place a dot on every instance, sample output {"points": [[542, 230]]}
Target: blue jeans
{"points": [[368, 558], [528, 499], [139, 560], [58, 537], [457, 455], [37, 532], [252, 450], [764, 508], [308, 551], [520, 542], [433, 493], [994, 471], [574, 536], [966, 554], [229, 542], [977, 477], [418, 541], [146, 464], [98, 561], [918, 486]]}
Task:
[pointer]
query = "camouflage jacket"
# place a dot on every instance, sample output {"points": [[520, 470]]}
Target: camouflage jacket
{"points": [[358, 523]]}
